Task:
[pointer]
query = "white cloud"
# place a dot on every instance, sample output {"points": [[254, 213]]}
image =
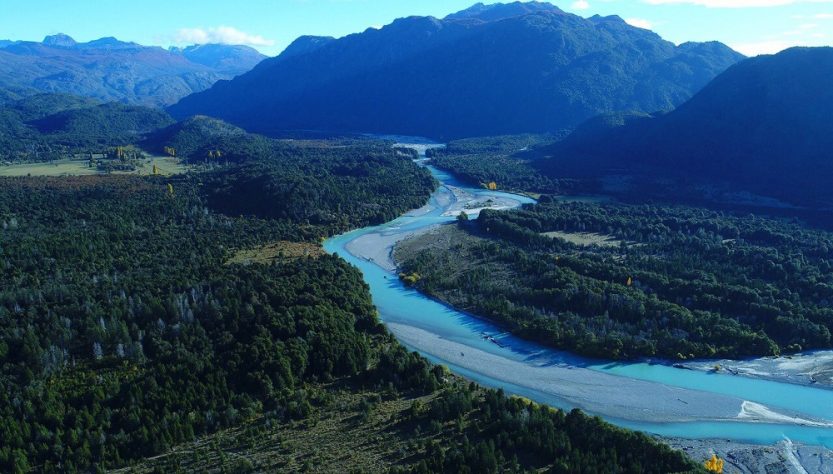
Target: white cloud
{"points": [[639, 23], [823, 16], [580, 5], [736, 3], [220, 34]]}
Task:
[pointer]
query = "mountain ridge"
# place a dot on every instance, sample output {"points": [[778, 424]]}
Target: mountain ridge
{"points": [[487, 71], [112, 70], [763, 126]]}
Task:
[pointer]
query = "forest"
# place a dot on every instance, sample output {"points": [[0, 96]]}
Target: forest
{"points": [[115, 297], [331, 187], [622, 281], [126, 331], [503, 160], [532, 164], [48, 127]]}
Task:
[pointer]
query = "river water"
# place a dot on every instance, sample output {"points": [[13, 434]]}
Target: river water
{"points": [[654, 398]]}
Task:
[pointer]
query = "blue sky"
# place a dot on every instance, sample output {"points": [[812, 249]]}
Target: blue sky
{"points": [[751, 26]]}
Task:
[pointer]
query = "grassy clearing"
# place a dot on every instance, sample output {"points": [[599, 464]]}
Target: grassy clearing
{"points": [[283, 250], [167, 166], [585, 239], [55, 168]]}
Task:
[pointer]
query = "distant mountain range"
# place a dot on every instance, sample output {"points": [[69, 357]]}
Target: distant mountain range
{"points": [[113, 70], [764, 126], [488, 70]]}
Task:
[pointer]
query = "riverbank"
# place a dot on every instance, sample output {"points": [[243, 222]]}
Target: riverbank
{"points": [[713, 407], [782, 457], [811, 369], [563, 382], [378, 247]]}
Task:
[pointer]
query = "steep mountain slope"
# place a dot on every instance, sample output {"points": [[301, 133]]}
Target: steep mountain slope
{"points": [[521, 67], [764, 126], [112, 70], [305, 44]]}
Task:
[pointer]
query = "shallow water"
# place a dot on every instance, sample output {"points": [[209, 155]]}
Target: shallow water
{"points": [[402, 306]]}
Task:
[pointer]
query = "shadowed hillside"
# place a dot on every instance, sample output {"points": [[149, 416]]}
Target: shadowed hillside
{"points": [[521, 67]]}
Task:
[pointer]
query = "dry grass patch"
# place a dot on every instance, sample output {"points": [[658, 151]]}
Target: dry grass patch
{"points": [[166, 166], [275, 251], [586, 239]]}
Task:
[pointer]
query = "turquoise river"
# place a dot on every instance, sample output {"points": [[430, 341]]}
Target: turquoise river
{"points": [[655, 398]]}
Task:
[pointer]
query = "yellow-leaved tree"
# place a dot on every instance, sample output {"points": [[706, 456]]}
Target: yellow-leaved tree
{"points": [[715, 464]]}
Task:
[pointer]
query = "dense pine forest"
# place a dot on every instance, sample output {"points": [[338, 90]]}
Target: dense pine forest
{"points": [[504, 160], [337, 187], [622, 281], [128, 327]]}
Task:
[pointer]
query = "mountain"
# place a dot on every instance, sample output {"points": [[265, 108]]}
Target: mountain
{"points": [[488, 70], [112, 70], [225, 59], [59, 41], [305, 44], [764, 126]]}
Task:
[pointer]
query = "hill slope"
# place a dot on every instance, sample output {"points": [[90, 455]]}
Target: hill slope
{"points": [[764, 126], [522, 67], [45, 127], [112, 70]]}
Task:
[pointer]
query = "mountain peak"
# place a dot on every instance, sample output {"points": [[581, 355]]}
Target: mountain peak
{"points": [[107, 42], [305, 44], [608, 18], [232, 59], [60, 40], [502, 11]]}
